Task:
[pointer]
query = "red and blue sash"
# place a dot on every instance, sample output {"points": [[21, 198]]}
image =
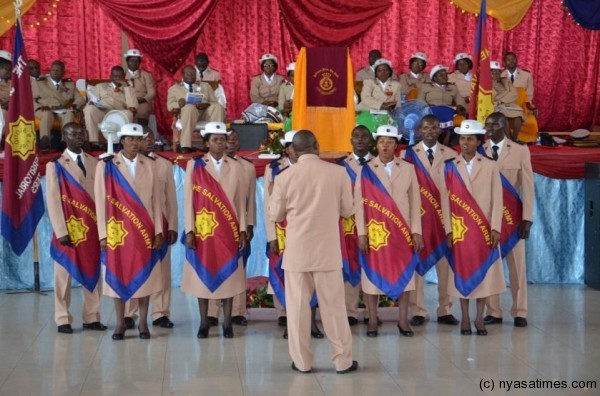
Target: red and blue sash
{"points": [[350, 264], [276, 274], [512, 214], [81, 259], [432, 219], [216, 229], [391, 260], [129, 257], [472, 254]]}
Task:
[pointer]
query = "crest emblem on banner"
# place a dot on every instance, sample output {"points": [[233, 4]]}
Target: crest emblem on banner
{"points": [[349, 225], [115, 233], [378, 234], [327, 80], [22, 138], [205, 224], [459, 229], [77, 230]]}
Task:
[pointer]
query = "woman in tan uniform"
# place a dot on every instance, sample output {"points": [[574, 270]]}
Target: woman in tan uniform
{"points": [[230, 176], [264, 88], [382, 93], [411, 82], [286, 91], [505, 97], [461, 77]]}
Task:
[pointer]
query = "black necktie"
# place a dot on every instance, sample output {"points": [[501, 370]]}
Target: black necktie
{"points": [[495, 152], [362, 161], [57, 86], [201, 75], [191, 88], [512, 78], [430, 156], [80, 164]]}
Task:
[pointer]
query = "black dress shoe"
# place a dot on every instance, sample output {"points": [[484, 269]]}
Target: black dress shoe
{"points": [[379, 322], [352, 321], [240, 320], [448, 320], [405, 333], [227, 332], [520, 321], [129, 323], [212, 321], [163, 322], [118, 336], [481, 332], [350, 369], [282, 321], [144, 335], [203, 332], [417, 320], [466, 332], [316, 334], [488, 320], [285, 334], [372, 333], [300, 371], [65, 329], [98, 326]]}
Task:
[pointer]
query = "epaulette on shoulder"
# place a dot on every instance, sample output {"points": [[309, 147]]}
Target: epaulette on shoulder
{"points": [[246, 159], [528, 71], [56, 158], [108, 158], [41, 78], [149, 157], [405, 160], [68, 79]]}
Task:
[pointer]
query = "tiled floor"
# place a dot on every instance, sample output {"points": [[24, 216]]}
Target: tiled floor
{"points": [[562, 342]]}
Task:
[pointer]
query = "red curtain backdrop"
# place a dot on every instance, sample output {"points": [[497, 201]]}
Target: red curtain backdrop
{"points": [[563, 57], [334, 23]]}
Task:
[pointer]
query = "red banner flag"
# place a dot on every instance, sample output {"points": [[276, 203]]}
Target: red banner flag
{"points": [[432, 219], [472, 254], [276, 274], [481, 103], [217, 230], [22, 201], [391, 260], [129, 257], [512, 217], [82, 258], [350, 264]]}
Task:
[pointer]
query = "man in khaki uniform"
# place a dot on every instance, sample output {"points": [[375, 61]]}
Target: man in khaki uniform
{"points": [[5, 70], [519, 77], [143, 84], [313, 258], [54, 93], [74, 136], [514, 162], [115, 95], [368, 72], [433, 156], [440, 92], [207, 110], [34, 69], [206, 73]]}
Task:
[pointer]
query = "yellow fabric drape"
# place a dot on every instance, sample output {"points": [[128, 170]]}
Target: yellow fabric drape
{"points": [[7, 14], [331, 125], [508, 12]]}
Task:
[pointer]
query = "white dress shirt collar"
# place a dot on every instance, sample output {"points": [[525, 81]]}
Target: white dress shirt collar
{"points": [[434, 148], [366, 157], [268, 79], [469, 164], [131, 165], [500, 145], [217, 164], [75, 155]]}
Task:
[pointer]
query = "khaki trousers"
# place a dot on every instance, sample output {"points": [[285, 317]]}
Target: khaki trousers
{"points": [[517, 273], [47, 120], [416, 304], [62, 299], [190, 115]]}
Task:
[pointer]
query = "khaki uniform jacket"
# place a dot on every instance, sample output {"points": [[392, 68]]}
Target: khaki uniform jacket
{"points": [[372, 96], [267, 191], [312, 195], [286, 92], [164, 176], [53, 195], [45, 94], [435, 95], [148, 189], [209, 74], [523, 79], [408, 81], [505, 96], [486, 188], [143, 84], [112, 100], [464, 86], [250, 179], [514, 162], [436, 169], [179, 91], [261, 91]]}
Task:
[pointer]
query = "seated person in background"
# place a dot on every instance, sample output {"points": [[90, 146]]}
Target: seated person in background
{"points": [[520, 78], [382, 93], [265, 87], [505, 96], [142, 83], [286, 91], [368, 72], [439, 92], [206, 73], [53, 92], [415, 77], [206, 110], [5, 70], [115, 95], [34, 69], [461, 77]]}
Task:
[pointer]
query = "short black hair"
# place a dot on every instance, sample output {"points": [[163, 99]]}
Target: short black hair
{"points": [[202, 56]]}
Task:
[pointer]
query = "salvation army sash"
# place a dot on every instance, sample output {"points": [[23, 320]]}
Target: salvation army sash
{"points": [[82, 258], [216, 230], [276, 274], [350, 264], [391, 259], [472, 254], [129, 257], [432, 220]]}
